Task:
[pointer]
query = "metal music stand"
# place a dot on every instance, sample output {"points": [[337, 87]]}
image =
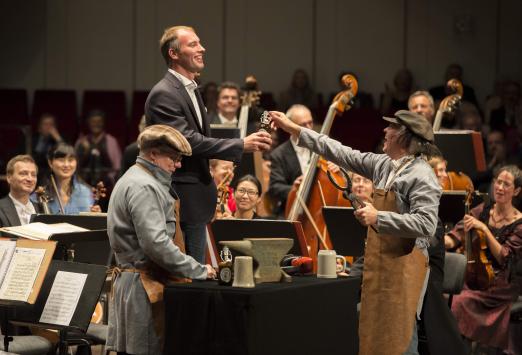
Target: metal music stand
{"points": [[346, 233], [30, 316]]}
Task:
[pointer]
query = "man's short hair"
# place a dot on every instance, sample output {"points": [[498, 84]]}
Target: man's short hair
{"points": [[170, 40], [19, 158], [422, 93], [229, 85]]}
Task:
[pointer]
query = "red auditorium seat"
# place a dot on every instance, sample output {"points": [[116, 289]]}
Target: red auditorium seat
{"points": [[138, 106], [62, 104], [113, 103], [13, 106]]}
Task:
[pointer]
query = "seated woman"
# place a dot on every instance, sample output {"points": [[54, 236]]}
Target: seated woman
{"points": [[247, 196], [69, 195], [439, 166], [483, 316], [362, 187]]}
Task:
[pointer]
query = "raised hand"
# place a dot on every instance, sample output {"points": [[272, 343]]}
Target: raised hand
{"points": [[279, 120]]}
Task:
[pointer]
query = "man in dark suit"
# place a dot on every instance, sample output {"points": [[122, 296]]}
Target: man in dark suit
{"points": [[289, 161], [16, 208], [175, 101]]}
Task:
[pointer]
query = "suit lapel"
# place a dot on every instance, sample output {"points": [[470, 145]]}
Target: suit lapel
{"points": [[293, 161], [10, 211], [204, 118], [183, 92]]}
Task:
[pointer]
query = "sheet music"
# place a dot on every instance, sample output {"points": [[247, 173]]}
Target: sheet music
{"points": [[21, 275], [7, 248], [42, 231], [63, 298]]}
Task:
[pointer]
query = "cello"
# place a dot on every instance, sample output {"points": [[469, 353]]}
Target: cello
{"points": [[315, 191], [479, 271]]}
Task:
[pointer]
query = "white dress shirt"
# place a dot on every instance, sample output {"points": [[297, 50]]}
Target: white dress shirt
{"points": [[190, 86], [24, 212], [226, 121], [303, 155]]}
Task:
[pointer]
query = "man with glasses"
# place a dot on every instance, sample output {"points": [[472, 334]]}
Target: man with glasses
{"points": [[143, 228]]}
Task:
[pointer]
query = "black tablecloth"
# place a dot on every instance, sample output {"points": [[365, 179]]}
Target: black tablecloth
{"points": [[307, 316]]}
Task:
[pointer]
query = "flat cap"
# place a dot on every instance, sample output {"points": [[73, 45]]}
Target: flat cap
{"points": [[163, 135], [414, 122]]}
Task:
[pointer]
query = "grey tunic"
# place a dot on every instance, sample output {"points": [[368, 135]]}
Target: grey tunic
{"points": [[141, 224], [416, 188]]}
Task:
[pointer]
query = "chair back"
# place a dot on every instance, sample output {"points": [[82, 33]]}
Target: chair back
{"points": [[454, 273]]}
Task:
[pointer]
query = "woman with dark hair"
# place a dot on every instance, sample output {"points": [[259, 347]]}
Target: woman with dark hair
{"points": [[68, 193], [247, 195], [483, 316]]}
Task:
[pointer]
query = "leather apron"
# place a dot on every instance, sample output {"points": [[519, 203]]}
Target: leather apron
{"points": [[393, 278]]}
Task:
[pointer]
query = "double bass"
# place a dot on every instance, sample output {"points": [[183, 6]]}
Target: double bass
{"points": [[450, 103], [315, 191], [479, 271]]}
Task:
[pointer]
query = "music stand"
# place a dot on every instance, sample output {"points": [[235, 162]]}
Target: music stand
{"points": [[30, 316], [224, 131], [237, 229], [88, 222], [464, 149], [91, 247], [346, 233], [451, 207]]}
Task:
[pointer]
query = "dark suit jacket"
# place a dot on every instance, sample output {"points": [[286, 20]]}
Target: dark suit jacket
{"points": [[8, 215], [284, 170], [169, 103]]}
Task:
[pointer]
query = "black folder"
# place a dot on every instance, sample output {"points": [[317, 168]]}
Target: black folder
{"points": [[346, 233]]}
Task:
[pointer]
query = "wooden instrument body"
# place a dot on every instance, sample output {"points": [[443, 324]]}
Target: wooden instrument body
{"points": [[305, 203], [322, 193], [479, 271], [457, 181]]}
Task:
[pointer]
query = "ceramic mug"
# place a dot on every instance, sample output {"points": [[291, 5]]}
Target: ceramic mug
{"points": [[327, 266], [243, 272]]}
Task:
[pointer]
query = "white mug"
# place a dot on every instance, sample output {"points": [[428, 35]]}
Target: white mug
{"points": [[327, 264], [243, 272]]}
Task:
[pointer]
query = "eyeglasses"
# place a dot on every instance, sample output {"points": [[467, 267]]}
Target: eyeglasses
{"points": [[176, 157], [505, 184], [250, 193]]}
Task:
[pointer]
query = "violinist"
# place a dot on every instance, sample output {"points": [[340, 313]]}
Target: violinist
{"points": [[222, 172], [68, 193], [483, 316], [439, 165], [404, 212]]}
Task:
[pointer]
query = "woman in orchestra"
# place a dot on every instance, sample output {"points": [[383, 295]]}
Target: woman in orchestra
{"points": [[362, 187], [439, 166], [483, 316], [68, 193], [248, 196]]}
